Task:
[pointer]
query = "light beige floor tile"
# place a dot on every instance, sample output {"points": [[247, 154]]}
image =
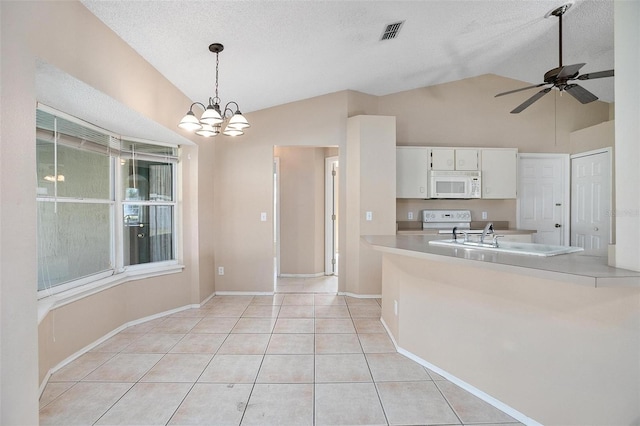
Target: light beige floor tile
{"points": [[146, 404], [361, 301], [124, 368], [470, 408], [226, 310], [199, 343], [286, 369], [215, 325], [178, 368], [376, 343], [280, 404], [83, 404], [54, 390], [348, 404], [154, 343], [261, 311], [143, 327], [77, 369], [334, 325], [434, 375], [296, 311], [342, 368], [331, 311], [415, 403], [337, 344], [213, 404], [116, 343], [176, 325], [294, 325], [365, 311], [254, 325], [276, 300], [328, 299], [232, 369], [193, 312], [291, 344], [231, 300], [298, 299], [245, 344], [368, 325], [394, 367]]}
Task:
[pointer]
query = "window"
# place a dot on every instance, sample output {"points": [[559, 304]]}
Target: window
{"points": [[105, 204]]}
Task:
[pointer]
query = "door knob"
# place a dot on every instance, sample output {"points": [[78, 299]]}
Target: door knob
{"points": [[595, 229], [140, 235], [558, 225]]}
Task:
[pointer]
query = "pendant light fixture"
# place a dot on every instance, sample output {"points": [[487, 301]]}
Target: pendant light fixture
{"points": [[212, 119]]}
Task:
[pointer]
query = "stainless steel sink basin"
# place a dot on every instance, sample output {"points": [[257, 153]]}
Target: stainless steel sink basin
{"points": [[512, 247]]}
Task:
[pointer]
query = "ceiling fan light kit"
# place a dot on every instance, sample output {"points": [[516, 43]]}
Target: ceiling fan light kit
{"points": [[561, 77], [213, 117]]}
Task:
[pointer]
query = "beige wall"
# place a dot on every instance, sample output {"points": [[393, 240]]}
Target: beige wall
{"points": [[49, 31], [560, 353], [301, 210]]}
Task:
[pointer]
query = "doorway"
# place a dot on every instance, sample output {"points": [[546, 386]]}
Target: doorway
{"points": [[591, 201], [543, 197], [305, 219]]}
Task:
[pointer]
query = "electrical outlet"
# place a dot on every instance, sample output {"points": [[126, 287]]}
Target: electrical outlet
{"points": [[263, 216], [395, 307], [220, 270], [410, 215], [484, 215], [369, 216]]}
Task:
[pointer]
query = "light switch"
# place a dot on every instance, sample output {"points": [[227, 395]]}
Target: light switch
{"points": [[263, 216], [484, 215], [369, 216]]}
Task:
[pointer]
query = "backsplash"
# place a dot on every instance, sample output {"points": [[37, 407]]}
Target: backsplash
{"points": [[497, 210]]}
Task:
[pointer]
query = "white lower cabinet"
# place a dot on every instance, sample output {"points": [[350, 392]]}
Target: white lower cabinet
{"points": [[412, 166], [499, 173]]}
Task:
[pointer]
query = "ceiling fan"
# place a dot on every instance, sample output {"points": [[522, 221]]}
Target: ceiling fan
{"points": [[561, 77]]}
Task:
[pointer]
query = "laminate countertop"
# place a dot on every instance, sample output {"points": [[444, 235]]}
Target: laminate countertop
{"points": [[579, 268]]}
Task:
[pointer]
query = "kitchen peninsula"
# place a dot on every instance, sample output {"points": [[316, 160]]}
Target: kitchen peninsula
{"points": [[553, 340]]}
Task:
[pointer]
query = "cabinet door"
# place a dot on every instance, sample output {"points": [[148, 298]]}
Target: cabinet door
{"points": [[412, 165], [499, 173], [466, 159], [443, 159]]}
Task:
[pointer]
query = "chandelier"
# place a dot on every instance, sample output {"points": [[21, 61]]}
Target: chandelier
{"points": [[210, 123]]}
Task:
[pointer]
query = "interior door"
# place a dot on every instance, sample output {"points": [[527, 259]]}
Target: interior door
{"points": [[542, 196], [591, 201]]}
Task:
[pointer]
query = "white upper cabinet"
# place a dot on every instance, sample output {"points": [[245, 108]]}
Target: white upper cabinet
{"points": [[412, 166], [499, 173], [454, 159]]}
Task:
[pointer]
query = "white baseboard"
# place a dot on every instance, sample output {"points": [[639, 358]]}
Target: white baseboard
{"points": [[464, 385], [360, 296], [244, 293], [316, 275]]}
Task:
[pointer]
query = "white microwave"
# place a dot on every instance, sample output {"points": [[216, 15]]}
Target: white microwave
{"points": [[454, 184]]}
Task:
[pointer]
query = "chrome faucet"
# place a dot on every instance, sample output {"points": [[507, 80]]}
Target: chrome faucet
{"points": [[488, 229]]}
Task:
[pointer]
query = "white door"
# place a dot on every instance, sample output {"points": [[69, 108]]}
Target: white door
{"points": [[543, 188], [591, 201]]}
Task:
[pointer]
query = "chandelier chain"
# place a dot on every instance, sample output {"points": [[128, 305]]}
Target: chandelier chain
{"points": [[217, 99]]}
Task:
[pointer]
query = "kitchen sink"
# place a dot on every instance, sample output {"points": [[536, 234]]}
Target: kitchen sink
{"points": [[511, 247]]}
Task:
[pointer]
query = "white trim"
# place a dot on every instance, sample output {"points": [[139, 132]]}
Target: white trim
{"points": [[464, 385], [316, 275], [47, 303], [360, 296], [276, 217], [244, 293], [329, 204]]}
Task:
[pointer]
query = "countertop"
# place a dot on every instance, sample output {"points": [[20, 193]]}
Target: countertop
{"points": [[434, 232], [578, 268]]}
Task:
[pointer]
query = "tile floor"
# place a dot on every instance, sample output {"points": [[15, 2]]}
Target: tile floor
{"points": [[288, 359], [326, 284]]}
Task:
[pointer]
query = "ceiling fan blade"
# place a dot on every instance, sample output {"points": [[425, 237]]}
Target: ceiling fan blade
{"points": [[580, 93], [531, 100], [569, 70], [599, 74], [520, 90]]}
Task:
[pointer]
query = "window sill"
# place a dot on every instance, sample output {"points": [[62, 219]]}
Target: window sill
{"points": [[46, 304]]}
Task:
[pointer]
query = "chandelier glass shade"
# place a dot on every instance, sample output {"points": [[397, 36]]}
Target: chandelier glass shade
{"points": [[213, 117]]}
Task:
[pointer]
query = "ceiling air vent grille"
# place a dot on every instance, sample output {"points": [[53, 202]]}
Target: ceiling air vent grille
{"points": [[391, 31]]}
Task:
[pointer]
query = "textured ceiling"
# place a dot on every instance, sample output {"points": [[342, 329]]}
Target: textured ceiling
{"points": [[282, 51]]}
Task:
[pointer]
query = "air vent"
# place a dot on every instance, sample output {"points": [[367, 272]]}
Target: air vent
{"points": [[391, 31]]}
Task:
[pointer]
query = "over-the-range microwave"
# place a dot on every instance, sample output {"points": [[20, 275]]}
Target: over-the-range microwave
{"points": [[455, 184]]}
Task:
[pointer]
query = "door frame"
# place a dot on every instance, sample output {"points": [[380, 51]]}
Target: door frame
{"points": [[329, 205], [607, 150], [276, 215], [566, 179]]}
